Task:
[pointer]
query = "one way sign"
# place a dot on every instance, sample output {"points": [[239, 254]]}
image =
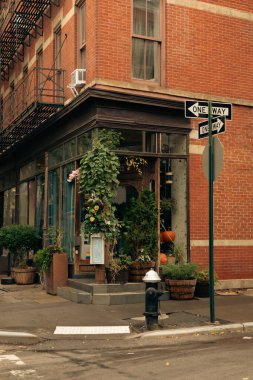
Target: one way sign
{"points": [[199, 109], [218, 126]]}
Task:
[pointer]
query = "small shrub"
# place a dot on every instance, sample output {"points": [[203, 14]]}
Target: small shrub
{"points": [[186, 271]]}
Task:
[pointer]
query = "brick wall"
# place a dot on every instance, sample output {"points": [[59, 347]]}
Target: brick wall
{"points": [[233, 205]]}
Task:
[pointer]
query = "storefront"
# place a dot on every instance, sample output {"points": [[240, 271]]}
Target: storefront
{"points": [[36, 189]]}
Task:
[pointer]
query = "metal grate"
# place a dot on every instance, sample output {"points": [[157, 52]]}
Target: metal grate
{"points": [[38, 96], [20, 21]]}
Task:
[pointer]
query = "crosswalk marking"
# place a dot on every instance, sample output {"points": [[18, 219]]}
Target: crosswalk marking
{"points": [[91, 330]]}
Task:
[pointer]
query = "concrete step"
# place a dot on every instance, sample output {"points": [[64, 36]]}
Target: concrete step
{"points": [[93, 288], [74, 295], [122, 298]]}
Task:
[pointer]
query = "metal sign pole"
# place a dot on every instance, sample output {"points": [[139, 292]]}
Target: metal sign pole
{"points": [[211, 177]]}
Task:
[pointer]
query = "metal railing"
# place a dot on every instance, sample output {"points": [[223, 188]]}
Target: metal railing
{"points": [[40, 86]]}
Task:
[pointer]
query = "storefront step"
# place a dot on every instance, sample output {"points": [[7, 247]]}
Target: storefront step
{"points": [[74, 295], [118, 298], [93, 288]]}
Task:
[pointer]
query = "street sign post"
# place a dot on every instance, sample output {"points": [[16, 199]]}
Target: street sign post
{"points": [[217, 159], [195, 109], [218, 126]]}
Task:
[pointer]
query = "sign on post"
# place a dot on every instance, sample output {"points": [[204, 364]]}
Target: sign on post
{"points": [[218, 126], [217, 161], [194, 109]]}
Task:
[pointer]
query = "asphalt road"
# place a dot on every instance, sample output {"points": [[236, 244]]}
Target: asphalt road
{"points": [[210, 357]]}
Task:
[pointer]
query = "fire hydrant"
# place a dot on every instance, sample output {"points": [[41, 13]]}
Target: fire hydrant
{"points": [[152, 295]]}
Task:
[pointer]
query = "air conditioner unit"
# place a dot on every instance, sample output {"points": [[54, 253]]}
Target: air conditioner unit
{"points": [[78, 78]]}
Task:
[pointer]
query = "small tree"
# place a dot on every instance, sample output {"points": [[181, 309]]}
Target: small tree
{"points": [[19, 239], [140, 220]]}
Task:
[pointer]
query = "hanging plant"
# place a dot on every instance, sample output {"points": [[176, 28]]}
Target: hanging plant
{"points": [[135, 163], [98, 179]]}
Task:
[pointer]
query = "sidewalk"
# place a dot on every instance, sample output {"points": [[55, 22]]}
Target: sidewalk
{"points": [[27, 308]]}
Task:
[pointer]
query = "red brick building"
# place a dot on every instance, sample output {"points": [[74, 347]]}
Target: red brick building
{"points": [[69, 67]]}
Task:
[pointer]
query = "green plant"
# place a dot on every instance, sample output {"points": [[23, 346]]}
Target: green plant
{"points": [[167, 204], [140, 221], [136, 163], [98, 179], [185, 271], [43, 257], [203, 275], [19, 240], [118, 263]]}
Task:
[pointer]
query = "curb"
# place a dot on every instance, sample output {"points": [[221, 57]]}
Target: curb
{"points": [[239, 327], [14, 337]]}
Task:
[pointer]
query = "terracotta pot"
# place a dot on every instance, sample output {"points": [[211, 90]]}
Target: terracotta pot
{"points": [[181, 289], [24, 276], [58, 274], [167, 236]]}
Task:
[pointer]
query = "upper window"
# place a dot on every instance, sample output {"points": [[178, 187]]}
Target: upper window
{"points": [[81, 25], [146, 44]]}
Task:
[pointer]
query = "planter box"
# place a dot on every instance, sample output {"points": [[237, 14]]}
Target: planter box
{"points": [[120, 278], [202, 289], [24, 276], [58, 274], [181, 289], [138, 270]]}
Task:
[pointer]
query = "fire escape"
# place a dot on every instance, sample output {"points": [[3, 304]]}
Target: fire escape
{"points": [[41, 92]]}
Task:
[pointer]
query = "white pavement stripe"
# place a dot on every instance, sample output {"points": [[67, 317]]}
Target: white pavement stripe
{"points": [[23, 373], [17, 334], [12, 358], [91, 330]]}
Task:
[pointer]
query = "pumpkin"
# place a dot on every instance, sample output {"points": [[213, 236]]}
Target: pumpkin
{"points": [[163, 259], [167, 236]]}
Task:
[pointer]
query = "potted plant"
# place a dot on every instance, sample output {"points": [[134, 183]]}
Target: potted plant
{"points": [[117, 270], [21, 241], [203, 282], [180, 279], [140, 239], [53, 264]]}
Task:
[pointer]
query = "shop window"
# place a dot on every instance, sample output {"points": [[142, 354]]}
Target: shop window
{"points": [[84, 142], [55, 157], [173, 196], [131, 141], [31, 202], [32, 168], [70, 149], [173, 143], [151, 142], [68, 212], [39, 210], [9, 206], [146, 40], [53, 198], [23, 203]]}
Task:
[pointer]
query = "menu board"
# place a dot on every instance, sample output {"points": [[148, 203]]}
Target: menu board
{"points": [[97, 251]]}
